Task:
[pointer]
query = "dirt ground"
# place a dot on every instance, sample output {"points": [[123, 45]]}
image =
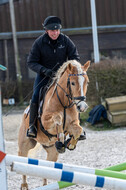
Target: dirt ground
{"points": [[101, 149]]}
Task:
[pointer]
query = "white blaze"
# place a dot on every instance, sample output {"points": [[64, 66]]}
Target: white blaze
{"points": [[82, 104], [81, 82]]}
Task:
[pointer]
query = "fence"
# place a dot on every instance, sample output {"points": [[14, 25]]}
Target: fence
{"points": [[74, 13]]}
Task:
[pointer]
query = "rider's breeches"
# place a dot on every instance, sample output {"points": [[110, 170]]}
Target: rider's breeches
{"points": [[40, 81]]}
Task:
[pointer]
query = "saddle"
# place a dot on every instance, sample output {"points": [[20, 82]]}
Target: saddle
{"points": [[42, 94]]}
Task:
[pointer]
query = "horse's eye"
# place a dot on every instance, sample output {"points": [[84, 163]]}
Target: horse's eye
{"points": [[73, 83]]}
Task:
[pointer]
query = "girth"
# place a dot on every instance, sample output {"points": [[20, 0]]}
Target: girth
{"points": [[44, 146]]}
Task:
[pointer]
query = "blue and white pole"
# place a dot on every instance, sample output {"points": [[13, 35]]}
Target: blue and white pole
{"points": [[60, 185], [66, 167], [67, 176], [72, 168]]}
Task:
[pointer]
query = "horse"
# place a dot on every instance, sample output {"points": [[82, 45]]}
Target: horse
{"points": [[64, 99]]}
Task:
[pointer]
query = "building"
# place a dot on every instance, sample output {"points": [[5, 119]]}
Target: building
{"points": [[76, 21]]}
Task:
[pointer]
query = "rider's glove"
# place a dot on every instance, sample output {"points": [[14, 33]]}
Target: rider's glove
{"points": [[46, 72]]}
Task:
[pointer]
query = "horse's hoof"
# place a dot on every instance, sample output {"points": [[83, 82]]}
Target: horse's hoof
{"points": [[68, 145], [24, 186], [71, 147], [60, 147]]}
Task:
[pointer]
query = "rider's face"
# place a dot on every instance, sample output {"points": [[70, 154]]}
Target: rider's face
{"points": [[53, 34]]}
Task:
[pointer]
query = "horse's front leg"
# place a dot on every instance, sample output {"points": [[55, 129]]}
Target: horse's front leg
{"points": [[52, 122], [75, 130]]}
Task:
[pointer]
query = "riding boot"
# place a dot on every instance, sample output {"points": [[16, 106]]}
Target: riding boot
{"points": [[82, 136], [32, 131]]}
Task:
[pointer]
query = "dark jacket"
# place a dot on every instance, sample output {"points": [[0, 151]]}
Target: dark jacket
{"points": [[96, 113], [45, 52]]}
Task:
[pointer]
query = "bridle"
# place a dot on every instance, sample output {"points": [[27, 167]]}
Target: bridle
{"points": [[81, 98], [70, 100], [70, 97]]}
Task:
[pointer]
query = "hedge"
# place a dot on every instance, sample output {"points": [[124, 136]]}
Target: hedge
{"points": [[110, 75]]}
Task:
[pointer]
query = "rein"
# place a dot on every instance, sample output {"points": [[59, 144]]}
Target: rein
{"points": [[69, 96], [71, 104], [65, 107]]}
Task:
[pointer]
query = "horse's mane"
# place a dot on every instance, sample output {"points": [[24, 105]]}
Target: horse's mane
{"points": [[61, 70]]}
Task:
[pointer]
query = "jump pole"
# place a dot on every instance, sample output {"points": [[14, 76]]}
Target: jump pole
{"points": [[71, 177], [100, 172], [66, 167], [3, 177], [60, 185], [118, 167]]}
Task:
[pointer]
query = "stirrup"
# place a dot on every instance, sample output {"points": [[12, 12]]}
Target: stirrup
{"points": [[32, 131]]}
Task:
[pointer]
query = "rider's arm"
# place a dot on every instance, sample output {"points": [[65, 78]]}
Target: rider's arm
{"points": [[34, 61]]}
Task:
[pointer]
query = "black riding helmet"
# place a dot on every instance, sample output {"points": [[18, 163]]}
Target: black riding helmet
{"points": [[52, 23]]}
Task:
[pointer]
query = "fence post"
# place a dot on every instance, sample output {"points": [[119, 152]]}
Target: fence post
{"points": [[94, 30], [16, 53], [3, 176]]}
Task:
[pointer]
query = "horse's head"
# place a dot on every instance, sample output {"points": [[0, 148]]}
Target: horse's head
{"points": [[77, 84]]}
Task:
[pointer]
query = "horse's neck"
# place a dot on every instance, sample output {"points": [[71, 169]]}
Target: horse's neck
{"points": [[63, 90]]}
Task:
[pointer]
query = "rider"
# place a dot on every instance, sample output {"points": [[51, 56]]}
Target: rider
{"points": [[48, 53]]}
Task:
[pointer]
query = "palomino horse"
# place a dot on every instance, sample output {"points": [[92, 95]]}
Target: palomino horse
{"points": [[60, 115]]}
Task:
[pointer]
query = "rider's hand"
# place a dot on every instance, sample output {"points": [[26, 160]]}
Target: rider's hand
{"points": [[48, 73]]}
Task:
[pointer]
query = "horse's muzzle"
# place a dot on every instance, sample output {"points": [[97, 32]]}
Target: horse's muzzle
{"points": [[82, 106]]}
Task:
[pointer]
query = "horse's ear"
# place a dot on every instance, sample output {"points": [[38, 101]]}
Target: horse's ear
{"points": [[86, 66], [69, 67]]}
